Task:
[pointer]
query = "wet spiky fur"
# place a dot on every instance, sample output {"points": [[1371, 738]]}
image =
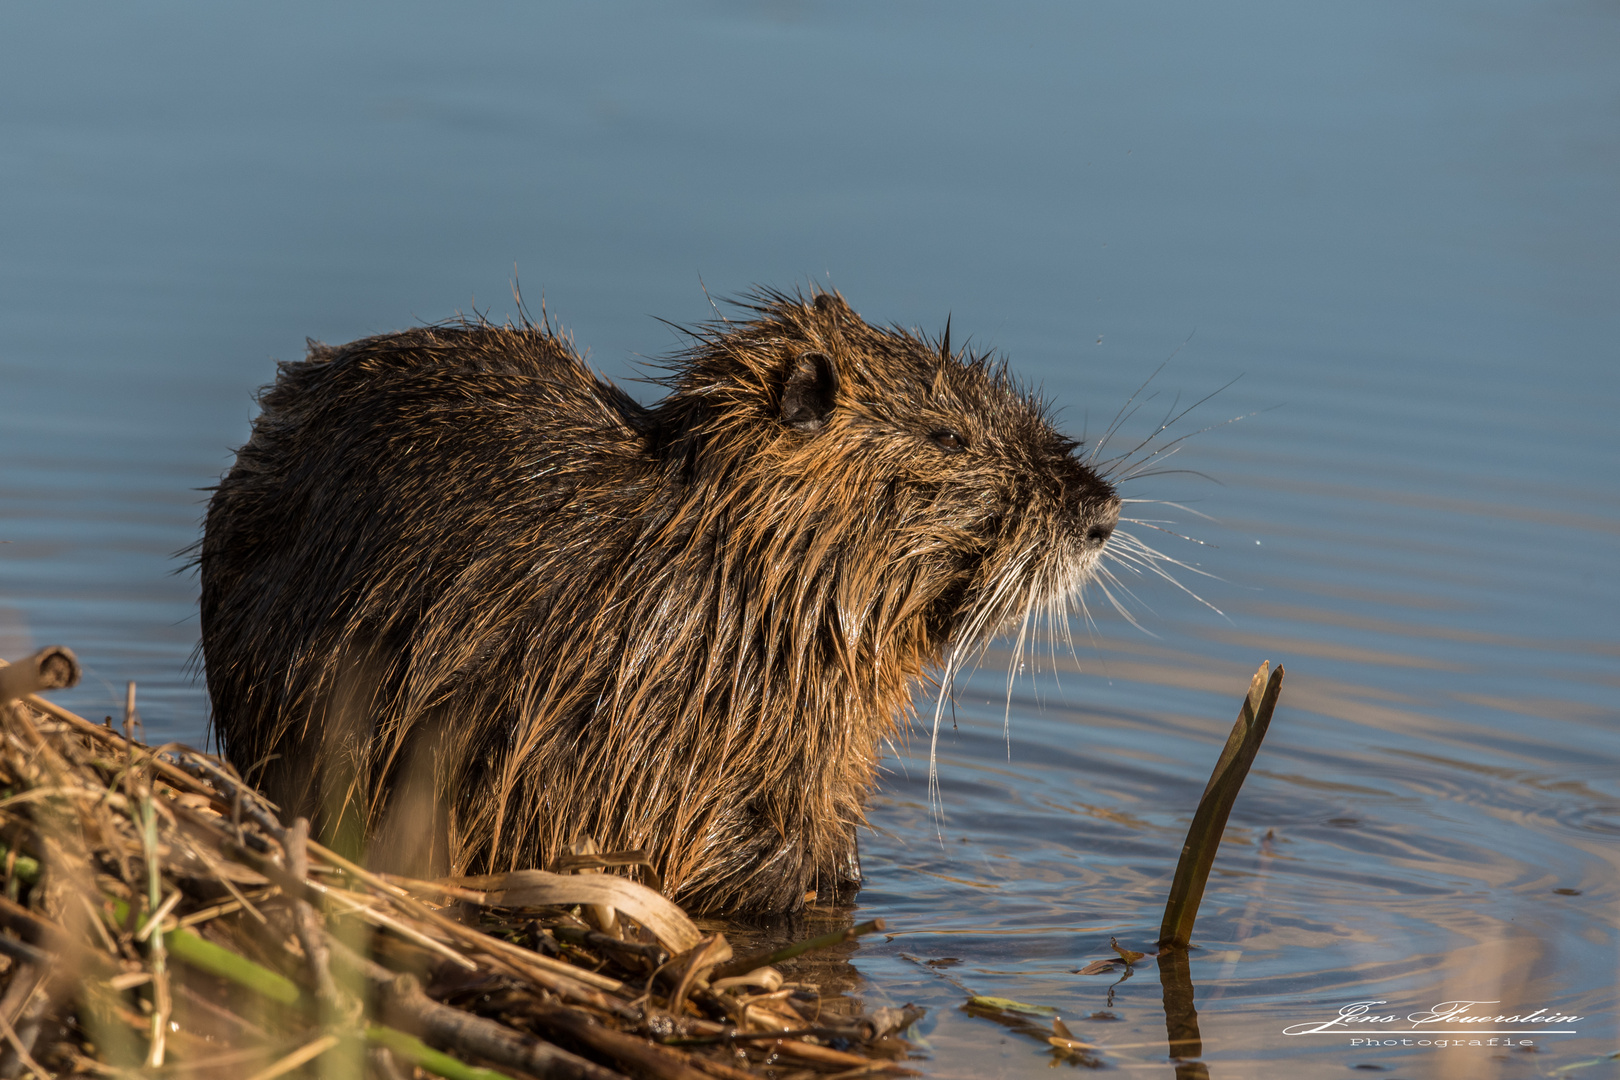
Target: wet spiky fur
{"points": [[466, 604]]}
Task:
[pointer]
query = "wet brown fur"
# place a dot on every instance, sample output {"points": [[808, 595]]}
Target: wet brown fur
{"points": [[467, 604]]}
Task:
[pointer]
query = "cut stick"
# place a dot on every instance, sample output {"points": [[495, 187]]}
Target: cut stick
{"points": [[1204, 835], [52, 668]]}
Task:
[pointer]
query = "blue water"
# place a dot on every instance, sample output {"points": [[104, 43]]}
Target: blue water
{"points": [[1397, 227]]}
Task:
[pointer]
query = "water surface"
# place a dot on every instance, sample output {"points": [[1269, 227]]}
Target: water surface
{"points": [[1395, 226]]}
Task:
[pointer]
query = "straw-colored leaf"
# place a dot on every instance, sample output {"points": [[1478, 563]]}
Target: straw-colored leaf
{"points": [[540, 888], [1001, 1004]]}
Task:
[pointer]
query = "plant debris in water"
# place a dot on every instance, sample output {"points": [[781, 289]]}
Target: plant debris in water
{"points": [[159, 919]]}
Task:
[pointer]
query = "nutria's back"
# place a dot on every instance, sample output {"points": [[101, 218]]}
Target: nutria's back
{"points": [[465, 604]]}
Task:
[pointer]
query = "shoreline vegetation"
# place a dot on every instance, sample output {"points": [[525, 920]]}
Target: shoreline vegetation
{"points": [[159, 919]]}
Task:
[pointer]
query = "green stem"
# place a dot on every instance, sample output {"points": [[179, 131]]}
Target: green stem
{"points": [[420, 1053], [217, 960], [25, 868]]}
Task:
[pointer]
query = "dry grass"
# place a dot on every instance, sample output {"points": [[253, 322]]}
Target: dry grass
{"points": [[159, 919]]}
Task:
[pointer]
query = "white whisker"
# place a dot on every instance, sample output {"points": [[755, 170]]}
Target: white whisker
{"points": [[1144, 558], [1138, 549]]}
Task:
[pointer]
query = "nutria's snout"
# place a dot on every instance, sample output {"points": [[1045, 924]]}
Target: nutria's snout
{"points": [[1092, 502], [1103, 515]]}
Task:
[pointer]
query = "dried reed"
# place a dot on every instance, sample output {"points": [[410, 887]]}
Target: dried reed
{"points": [[159, 919]]}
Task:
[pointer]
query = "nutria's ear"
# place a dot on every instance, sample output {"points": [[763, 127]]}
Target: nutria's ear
{"points": [[826, 302], [809, 392]]}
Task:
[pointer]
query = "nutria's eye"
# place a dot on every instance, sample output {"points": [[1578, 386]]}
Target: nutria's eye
{"points": [[949, 441]]}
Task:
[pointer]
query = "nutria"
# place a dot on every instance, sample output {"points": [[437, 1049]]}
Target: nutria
{"points": [[465, 603]]}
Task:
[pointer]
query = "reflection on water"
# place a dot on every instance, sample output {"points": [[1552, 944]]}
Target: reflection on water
{"points": [[1183, 1042], [1396, 222]]}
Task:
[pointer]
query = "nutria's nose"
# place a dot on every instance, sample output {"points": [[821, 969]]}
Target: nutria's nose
{"points": [[1102, 524]]}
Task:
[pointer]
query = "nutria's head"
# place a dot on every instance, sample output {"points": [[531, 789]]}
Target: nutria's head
{"points": [[926, 491]]}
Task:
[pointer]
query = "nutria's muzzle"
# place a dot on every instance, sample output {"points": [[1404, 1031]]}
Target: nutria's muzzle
{"points": [[1101, 515]]}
